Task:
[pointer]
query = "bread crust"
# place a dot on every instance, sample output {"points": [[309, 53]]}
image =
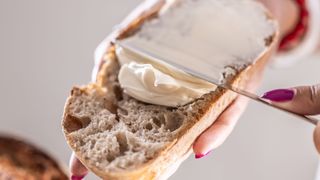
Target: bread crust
{"points": [[181, 146]]}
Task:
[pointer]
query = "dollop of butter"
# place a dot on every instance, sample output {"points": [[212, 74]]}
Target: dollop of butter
{"points": [[157, 82]]}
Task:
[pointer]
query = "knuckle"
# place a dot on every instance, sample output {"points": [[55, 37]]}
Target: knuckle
{"points": [[314, 95]]}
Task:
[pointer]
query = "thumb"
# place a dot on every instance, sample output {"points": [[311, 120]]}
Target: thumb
{"points": [[302, 100]]}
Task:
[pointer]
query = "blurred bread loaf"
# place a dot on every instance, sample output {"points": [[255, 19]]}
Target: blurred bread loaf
{"points": [[22, 161]]}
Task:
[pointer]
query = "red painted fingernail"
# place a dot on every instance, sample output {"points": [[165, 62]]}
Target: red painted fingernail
{"points": [[198, 156], [279, 95], [73, 177]]}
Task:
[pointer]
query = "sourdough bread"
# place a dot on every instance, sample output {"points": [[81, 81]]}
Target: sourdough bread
{"points": [[119, 137], [22, 161]]}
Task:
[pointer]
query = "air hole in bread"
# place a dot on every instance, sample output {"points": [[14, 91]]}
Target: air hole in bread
{"points": [[110, 106], [73, 123], [159, 121], [81, 142], [110, 157], [149, 126], [92, 143], [117, 92], [173, 121], [85, 121], [123, 143]]}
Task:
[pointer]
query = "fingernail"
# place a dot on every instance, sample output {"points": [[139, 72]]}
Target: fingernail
{"points": [[73, 177], [279, 95], [198, 156]]}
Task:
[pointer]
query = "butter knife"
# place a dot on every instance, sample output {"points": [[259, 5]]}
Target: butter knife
{"points": [[213, 80]]}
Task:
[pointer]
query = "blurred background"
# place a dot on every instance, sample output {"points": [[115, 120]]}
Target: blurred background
{"points": [[46, 47]]}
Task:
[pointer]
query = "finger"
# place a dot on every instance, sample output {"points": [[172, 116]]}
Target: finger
{"points": [[216, 134], [77, 169], [316, 137], [303, 100]]}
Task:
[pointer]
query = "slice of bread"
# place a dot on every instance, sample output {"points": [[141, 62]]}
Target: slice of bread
{"points": [[119, 137], [20, 160]]}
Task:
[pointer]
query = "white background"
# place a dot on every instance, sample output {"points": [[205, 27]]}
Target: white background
{"points": [[46, 47]]}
